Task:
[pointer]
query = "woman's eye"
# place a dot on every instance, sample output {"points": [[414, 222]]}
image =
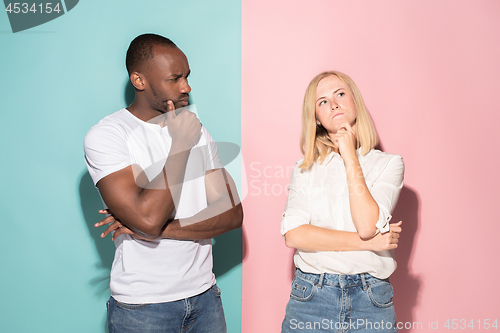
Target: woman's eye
{"points": [[322, 102], [341, 94]]}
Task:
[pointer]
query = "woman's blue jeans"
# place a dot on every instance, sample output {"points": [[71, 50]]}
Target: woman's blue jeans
{"points": [[339, 303], [201, 313]]}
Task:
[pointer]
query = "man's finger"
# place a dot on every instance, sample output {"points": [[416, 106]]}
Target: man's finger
{"points": [[104, 221], [113, 226], [121, 231], [170, 109]]}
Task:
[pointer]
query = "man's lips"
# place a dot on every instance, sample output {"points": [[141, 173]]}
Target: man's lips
{"points": [[184, 101]]}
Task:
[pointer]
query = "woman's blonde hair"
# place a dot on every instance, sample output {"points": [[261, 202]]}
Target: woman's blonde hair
{"points": [[315, 143]]}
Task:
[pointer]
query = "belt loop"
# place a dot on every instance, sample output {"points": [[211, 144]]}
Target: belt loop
{"points": [[365, 286], [320, 282]]}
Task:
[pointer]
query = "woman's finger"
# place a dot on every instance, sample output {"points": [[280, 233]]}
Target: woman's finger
{"points": [[349, 128]]}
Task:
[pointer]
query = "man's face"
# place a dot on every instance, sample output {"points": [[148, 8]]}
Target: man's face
{"points": [[166, 78]]}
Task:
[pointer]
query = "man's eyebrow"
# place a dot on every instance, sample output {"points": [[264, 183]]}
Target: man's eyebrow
{"points": [[178, 75]]}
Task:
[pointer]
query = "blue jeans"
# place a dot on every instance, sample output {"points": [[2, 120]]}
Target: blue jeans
{"points": [[200, 313], [339, 303]]}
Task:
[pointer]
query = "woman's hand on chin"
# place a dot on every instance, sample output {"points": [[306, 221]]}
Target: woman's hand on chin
{"points": [[345, 141]]}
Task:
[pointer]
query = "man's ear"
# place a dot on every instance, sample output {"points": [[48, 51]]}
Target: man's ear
{"points": [[137, 80]]}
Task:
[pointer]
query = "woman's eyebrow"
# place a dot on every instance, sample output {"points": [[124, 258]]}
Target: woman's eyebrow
{"points": [[332, 93]]}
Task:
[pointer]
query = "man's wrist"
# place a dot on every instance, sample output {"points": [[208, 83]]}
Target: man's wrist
{"points": [[180, 147]]}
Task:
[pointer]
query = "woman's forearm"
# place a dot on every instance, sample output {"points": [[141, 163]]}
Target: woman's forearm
{"points": [[364, 209], [313, 238]]}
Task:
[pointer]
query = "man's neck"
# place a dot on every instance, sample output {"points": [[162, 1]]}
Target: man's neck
{"points": [[143, 113]]}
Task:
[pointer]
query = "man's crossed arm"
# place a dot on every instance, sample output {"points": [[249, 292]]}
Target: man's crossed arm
{"points": [[144, 207], [224, 213]]}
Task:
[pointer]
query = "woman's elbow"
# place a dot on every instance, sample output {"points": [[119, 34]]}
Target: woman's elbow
{"points": [[367, 233], [290, 240]]}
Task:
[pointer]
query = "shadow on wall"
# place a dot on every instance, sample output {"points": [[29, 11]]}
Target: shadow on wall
{"points": [[406, 284], [129, 93], [90, 203]]}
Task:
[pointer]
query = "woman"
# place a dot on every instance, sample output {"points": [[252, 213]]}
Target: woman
{"points": [[337, 216]]}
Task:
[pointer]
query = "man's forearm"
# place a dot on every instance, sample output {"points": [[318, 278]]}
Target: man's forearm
{"points": [[214, 220]]}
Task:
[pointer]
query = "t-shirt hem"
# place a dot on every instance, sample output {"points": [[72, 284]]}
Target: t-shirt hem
{"points": [[160, 299]]}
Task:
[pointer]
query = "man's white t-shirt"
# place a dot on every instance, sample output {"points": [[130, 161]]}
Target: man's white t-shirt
{"points": [[164, 270]]}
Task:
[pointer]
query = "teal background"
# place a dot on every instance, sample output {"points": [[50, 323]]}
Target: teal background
{"points": [[59, 79]]}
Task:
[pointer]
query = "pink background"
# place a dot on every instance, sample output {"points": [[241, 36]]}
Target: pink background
{"points": [[429, 74]]}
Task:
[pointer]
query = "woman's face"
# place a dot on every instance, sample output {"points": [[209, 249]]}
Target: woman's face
{"points": [[335, 104]]}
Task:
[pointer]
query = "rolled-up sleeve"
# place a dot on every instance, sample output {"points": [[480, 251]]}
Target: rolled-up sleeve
{"points": [[296, 212], [385, 191]]}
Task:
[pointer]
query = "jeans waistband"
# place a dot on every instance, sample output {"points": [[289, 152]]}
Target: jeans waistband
{"points": [[363, 279]]}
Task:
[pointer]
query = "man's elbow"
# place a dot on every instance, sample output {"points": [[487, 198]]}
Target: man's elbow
{"points": [[238, 216], [149, 229]]}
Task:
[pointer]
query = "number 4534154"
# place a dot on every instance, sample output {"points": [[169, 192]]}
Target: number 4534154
{"points": [[25, 8], [473, 324]]}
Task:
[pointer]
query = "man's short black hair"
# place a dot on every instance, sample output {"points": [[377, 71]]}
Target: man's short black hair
{"points": [[140, 50]]}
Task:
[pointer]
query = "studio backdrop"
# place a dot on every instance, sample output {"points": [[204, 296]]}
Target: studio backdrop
{"points": [[429, 74]]}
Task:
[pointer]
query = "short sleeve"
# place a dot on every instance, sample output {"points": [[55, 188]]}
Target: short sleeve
{"points": [[212, 160], [385, 191], [296, 212], [106, 151]]}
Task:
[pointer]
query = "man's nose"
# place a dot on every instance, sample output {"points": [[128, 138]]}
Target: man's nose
{"points": [[185, 88]]}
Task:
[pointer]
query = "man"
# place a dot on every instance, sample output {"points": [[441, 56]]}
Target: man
{"points": [[159, 174]]}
